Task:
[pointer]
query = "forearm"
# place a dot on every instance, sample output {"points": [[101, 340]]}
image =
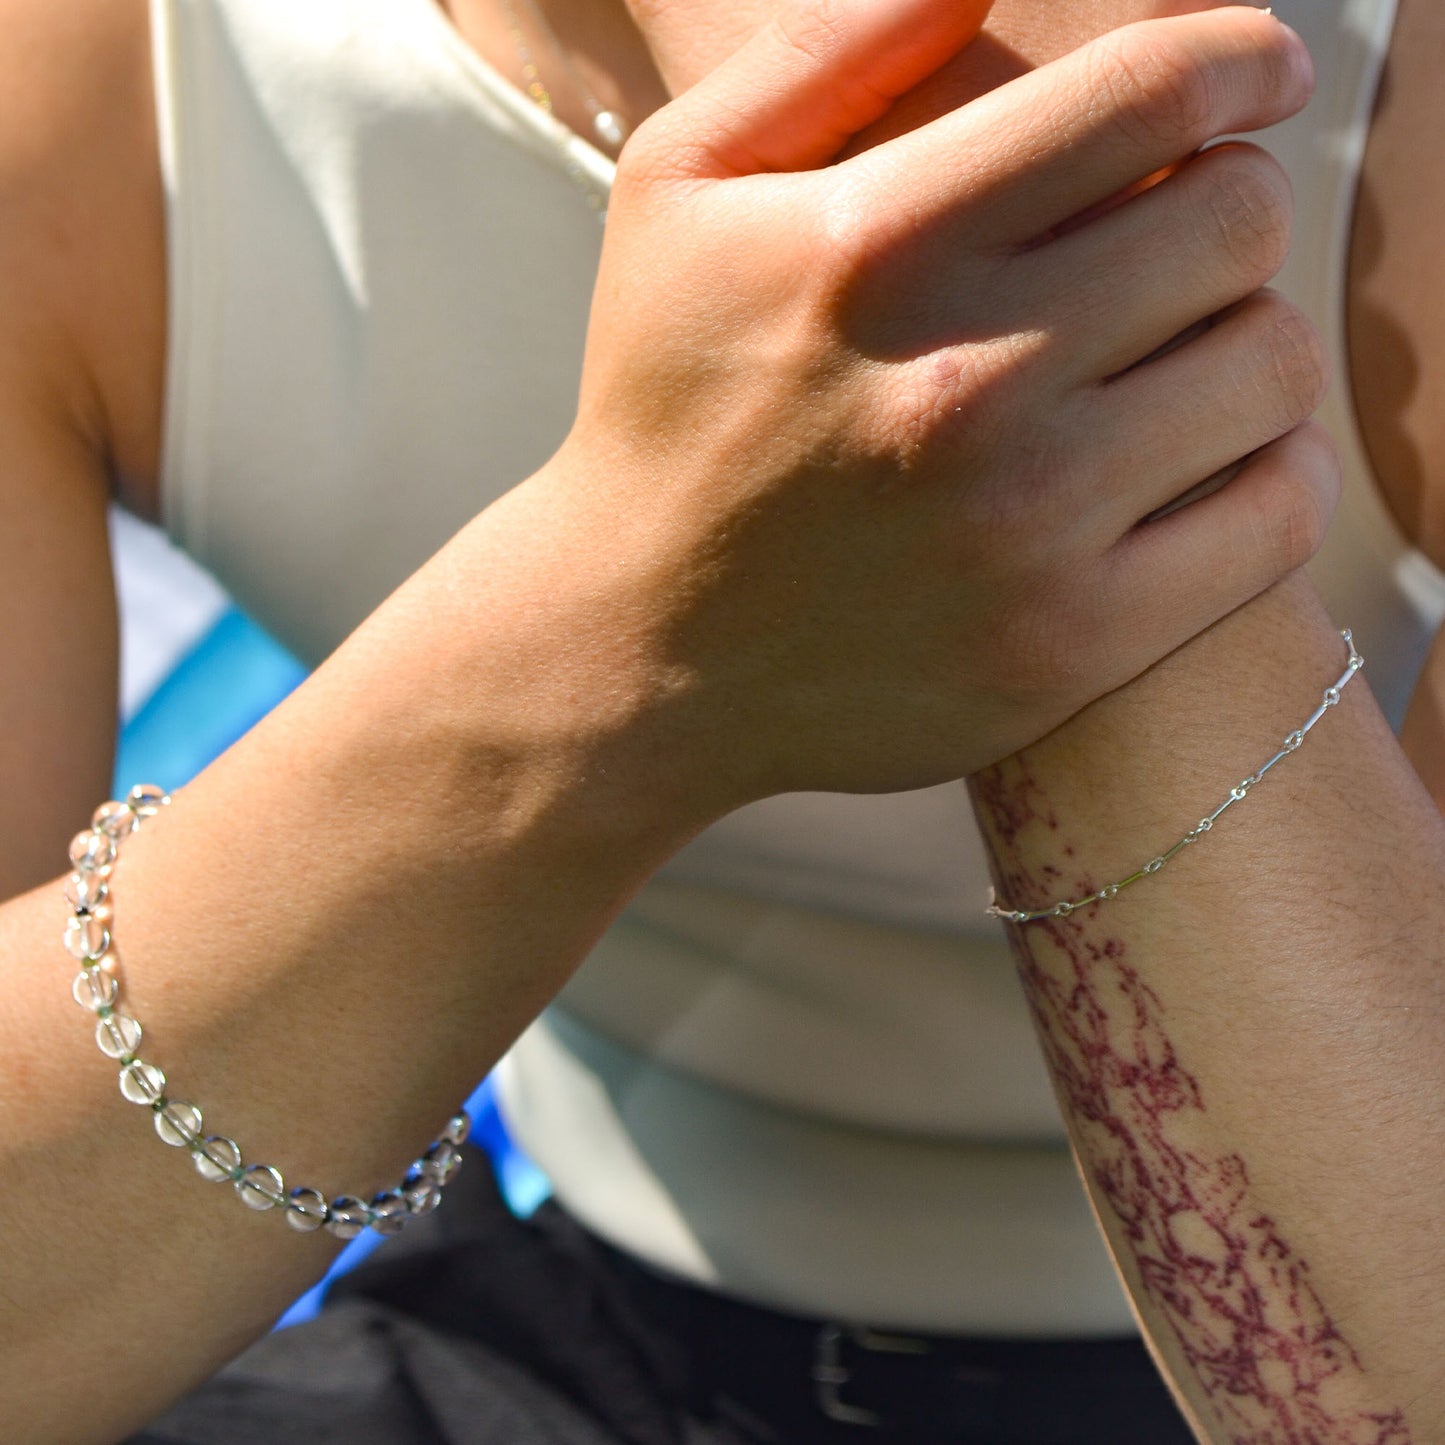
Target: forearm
{"points": [[787, 553], [1248, 1047], [328, 938]]}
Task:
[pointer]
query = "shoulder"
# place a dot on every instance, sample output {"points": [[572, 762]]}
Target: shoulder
{"points": [[82, 243], [80, 224], [76, 77]]}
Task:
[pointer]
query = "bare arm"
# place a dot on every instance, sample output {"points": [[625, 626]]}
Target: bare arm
{"points": [[1249, 1047], [58, 645], [780, 508]]}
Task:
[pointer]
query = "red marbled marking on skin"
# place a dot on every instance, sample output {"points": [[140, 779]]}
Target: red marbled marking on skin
{"points": [[1237, 1296]]}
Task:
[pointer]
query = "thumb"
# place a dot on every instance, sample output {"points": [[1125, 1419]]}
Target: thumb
{"points": [[809, 81]]}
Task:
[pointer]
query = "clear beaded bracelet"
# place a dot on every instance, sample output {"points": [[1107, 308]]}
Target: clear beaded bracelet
{"points": [[1237, 794], [97, 989]]}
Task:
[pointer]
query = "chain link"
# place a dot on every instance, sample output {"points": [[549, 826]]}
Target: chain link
{"points": [[1237, 794]]}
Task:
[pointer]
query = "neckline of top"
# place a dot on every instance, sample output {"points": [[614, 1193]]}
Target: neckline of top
{"points": [[574, 154]]}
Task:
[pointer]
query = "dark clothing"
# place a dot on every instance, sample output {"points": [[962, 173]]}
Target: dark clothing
{"points": [[474, 1328]]}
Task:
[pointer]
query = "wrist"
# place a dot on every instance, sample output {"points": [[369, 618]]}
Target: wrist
{"points": [[432, 831], [1122, 781], [521, 680]]}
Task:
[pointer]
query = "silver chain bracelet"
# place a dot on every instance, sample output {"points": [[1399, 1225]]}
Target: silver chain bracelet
{"points": [[1237, 794], [97, 989]]}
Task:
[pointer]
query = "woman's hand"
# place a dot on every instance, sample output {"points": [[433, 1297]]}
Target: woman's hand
{"points": [[875, 445]]}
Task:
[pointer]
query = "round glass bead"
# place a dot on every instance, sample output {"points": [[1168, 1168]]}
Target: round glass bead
{"points": [[458, 1129], [441, 1161], [261, 1187], [118, 1036], [146, 800], [421, 1192], [91, 851], [349, 1217], [86, 937], [306, 1210], [216, 1158], [95, 989], [113, 819], [85, 892], [178, 1123], [389, 1212], [142, 1083]]}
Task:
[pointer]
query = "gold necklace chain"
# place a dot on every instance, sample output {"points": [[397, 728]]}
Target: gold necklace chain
{"points": [[607, 126]]}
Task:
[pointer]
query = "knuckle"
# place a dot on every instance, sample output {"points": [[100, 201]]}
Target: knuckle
{"points": [[845, 285], [645, 147], [662, 149], [964, 401], [1157, 92], [1250, 207], [1296, 362], [841, 230], [1299, 523], [818, 32], [1293, 512], [942, 395], [819, 37]]}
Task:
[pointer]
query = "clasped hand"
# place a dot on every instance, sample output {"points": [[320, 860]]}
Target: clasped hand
{"points": [[864, 482]]}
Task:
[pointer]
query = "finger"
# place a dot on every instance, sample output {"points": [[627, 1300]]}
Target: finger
{"points": [[1036, 152], [1246, 382], [794, 96], [1129, 283], [1180, 574]]}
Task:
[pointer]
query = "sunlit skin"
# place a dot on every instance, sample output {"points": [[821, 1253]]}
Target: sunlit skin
{"points": [[595, 706], [1396, 301], [1247, 1045], [519, 670], [1235, 1294], [1265, 1356]]}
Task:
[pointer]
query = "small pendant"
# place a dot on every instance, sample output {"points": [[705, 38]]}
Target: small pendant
{"points": [[609, 128]]}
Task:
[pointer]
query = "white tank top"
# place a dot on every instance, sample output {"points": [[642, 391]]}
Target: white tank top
{"points": [[800, 1067]]}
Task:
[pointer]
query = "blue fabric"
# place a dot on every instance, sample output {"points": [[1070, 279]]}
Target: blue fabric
{"points": [[227, 683], [523, 1186]]}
